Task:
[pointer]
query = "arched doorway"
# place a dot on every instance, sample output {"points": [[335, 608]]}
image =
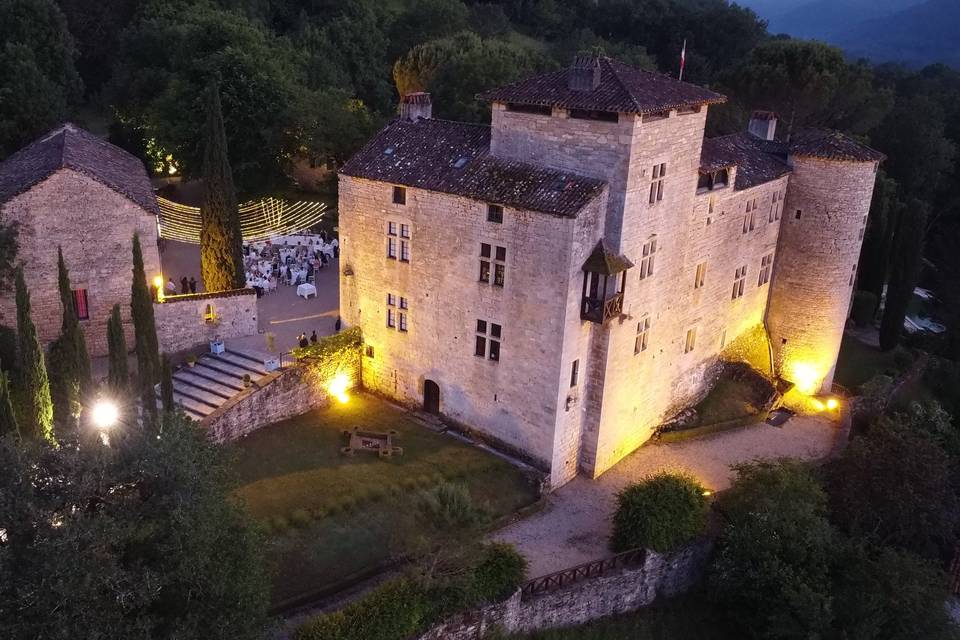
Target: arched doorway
{"points": [[431, 396]]}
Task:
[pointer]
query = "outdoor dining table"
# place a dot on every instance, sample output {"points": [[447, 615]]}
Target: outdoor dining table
{"points": [[306, 290]]}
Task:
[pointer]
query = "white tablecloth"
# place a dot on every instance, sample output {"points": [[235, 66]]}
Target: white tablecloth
{"points": [[306, 290]]}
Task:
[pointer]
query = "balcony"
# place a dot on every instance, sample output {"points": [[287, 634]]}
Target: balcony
{"points": [[599, 310], [604, 279]]}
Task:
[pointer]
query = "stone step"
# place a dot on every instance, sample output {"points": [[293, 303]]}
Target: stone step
{"points": [[187, 377], [224, 368], [253, 368], [192, 405], [228, 381], [253, 355], [191, 413], [205, 397]]}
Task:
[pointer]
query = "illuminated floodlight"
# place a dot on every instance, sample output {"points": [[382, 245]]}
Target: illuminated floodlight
{"points": [[104, 414], [805, 376], [832, 404], [338, 387]]}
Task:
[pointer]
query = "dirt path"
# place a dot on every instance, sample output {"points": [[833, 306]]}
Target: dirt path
{"points": [[574, 527]]}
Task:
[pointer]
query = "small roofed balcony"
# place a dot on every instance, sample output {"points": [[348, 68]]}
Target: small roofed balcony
{"points": [[604, 280]]}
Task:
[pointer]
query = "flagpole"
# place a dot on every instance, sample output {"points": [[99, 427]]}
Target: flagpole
{"points": [[683, 58]]}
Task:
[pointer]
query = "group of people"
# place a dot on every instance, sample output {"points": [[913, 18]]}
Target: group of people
{"points": [[304, 341], [186, 286], [270, 263]]}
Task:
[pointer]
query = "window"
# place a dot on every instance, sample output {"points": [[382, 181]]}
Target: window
{"points": [[712, 180], [369, 350], [574, 373], [649, 254], [701, 273], [80, 305], [397, 312], [535, 109], [391, 228], [603, 116], [391, 300], [691, 340], [399, 195], [495, 257], [799, 213], [404, 251], [659, 171], [391, 319], [739, 278], [643, 333], [766, 262], [392, 240], [495, 213], [753, 220], [487, 343], [404, 231], [403, 321], [853, 274]]}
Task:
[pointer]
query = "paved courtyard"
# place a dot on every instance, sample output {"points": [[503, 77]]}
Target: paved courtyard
{"points": [[574, 526]]}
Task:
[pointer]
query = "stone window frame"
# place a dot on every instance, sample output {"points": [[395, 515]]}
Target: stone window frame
{"points": [[391, 239], [495, 213], [657, 177], [493, 259], [739, 280], [643, 335], [391, 312], [487, 339], [397, 312], [399, 195], [700, 275], [648, 257], [690, 340], [776, 206], [766, 267], [574, 373]]}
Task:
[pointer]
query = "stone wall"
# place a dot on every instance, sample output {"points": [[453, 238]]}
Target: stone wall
{"points": [[620, 592], [94, 225], [182, 321], [280, 395]]}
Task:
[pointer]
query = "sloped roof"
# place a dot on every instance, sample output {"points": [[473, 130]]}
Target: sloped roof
{"points": [[757, 161], [831, 145], [622, 88], [605, 261], [454, 157], [73, 148]]}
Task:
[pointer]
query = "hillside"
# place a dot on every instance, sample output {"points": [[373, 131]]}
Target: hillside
{"points": [[919, 35], [823, 19]]}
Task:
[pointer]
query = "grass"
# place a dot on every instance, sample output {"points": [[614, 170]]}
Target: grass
{"points": [[729, 399], [332, 516], [858, 362], [683, 618]]}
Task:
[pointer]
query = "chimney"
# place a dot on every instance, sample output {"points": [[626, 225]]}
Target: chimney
{"points": [[584, 73], [763, 125], [414, 106]]}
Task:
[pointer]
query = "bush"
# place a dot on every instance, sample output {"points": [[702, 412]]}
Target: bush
{"points": [[864, 308], [661, 513], [500, 571], [300, 518], [280, 524]]}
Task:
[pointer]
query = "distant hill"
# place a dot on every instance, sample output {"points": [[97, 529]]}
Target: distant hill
{"points": [[824, 19], [919, 35]]}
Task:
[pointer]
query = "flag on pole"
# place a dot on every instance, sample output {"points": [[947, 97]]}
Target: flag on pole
{"points": [[683, 58]]}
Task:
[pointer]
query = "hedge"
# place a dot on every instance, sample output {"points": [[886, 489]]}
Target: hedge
{"points": [[662, 512]]}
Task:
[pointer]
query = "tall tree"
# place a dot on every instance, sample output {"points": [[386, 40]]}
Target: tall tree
{"points": [[166, 384], [118, 374], [145, 334], [221, 242], [37, 408], [877, 241], [8, 421], [72, 362], [905, 263]]}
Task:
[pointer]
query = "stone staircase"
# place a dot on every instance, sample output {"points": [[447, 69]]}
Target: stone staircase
{"points": [[214, 379]]}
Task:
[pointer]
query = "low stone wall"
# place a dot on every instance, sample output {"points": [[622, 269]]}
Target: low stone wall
{"points": [[280, 395], [624, 591], [183, 323]]}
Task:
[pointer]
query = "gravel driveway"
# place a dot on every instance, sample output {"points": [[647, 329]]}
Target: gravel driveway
{"points": [[574, 526]]}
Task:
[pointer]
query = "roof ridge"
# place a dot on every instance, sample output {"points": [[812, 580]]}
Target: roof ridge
{"points": [[616, 76]]}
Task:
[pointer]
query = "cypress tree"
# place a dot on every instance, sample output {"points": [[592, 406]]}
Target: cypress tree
{"points": [[906, 259], [145, 334], [69, 361], [221, 241], [8, 422], [166, 385], [877, 241], [37, 415], [118, 374]]}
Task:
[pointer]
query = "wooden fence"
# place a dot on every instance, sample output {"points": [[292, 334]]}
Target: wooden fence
{"points": [[560, 579]]}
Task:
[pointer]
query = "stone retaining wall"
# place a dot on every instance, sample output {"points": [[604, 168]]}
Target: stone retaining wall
{"points": [[182, 320], [624, 591], [278, 396]]}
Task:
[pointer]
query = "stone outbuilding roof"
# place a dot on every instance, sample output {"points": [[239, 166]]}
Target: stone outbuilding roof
{"points": [[453, 157], [620, 88], [73, 148], [831, 145], [757, 161]]}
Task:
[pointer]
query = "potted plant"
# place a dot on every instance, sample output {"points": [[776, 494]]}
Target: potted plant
{"points": [[216, 346], [246, 380], [191, 360]]}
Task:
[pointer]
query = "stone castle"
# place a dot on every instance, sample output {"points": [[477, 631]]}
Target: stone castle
{"points": [[565, 279]]}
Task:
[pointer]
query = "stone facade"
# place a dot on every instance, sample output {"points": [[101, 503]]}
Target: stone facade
{"points": [[94, 225], [186, 321], [621, 592], [280, 395], [718, 253]]}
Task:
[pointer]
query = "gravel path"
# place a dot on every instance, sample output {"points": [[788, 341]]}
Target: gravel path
{"points": [[574, 526]]}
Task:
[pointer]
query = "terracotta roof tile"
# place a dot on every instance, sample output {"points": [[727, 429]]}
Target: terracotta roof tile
{"points": [[831, 145], [453, 157], [622, 88], [71, 147], [757, 161]]}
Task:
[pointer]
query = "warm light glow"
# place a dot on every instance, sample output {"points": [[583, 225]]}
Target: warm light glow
{"points": [[707, 493], [338, 387], [832, 404], [817, 404], [158, 282], [804, 375], [259, 219], [104, 414]]}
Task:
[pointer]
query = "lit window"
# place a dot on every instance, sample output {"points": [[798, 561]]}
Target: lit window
{"points": [[647, 259], [691, 341], [494, 213], [487, 341], [766, 263], [658, 173], [643, 333], [399, 195], [701, 274], [739, 278], [80, 305]]}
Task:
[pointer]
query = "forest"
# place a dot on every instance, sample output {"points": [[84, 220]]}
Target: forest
{"points": [[316, 78]]}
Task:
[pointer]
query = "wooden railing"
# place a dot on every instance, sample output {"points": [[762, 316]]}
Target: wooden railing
{"points": [[560, 579], [599, 311]]}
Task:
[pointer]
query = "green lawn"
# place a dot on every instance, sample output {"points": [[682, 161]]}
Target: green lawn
{"points": [[728, 400], [683, 618], [330, 516], [858, 362]]}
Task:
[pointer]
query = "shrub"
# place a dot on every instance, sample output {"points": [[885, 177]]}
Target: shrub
{"points": [[395, 610], [499, 572], [449, 507], [902, 359], [661, 513], [864, 308], [300, 518]]}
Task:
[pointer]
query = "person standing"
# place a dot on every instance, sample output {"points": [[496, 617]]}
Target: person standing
{"points": [[193, 284], [171, 287], [313, 337], [184, 285], [303, 342]]}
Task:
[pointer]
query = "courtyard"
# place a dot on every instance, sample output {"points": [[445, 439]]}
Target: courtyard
{"points": [[331, 518]]}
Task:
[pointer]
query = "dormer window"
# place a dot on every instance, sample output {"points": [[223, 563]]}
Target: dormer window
{"points": [[399, 195], [710, 180], [535, 109], [604, 280]]}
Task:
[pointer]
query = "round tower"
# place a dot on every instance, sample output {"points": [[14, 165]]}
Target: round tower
{"points": [[823, 221]]}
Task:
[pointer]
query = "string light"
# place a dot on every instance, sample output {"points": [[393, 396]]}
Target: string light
{"points": [[259, 219]]}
